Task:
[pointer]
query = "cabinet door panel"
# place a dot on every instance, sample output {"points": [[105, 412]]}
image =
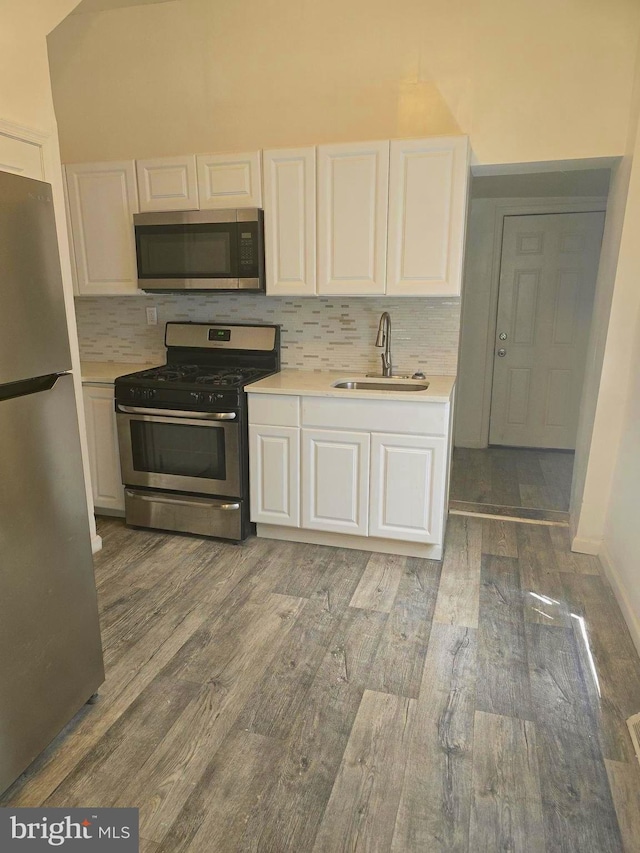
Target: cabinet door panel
{"points": [[168, 183], [104, 457], [21, 157], [428, 184], [229, 180], [407, 484], [353, 191], [290, 221], [102, 201], [274, 465], [335, 476]]}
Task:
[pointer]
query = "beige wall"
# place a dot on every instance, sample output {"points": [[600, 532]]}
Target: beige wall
{"points": [[525, 79], [609, 368], [606, 500], [621, 542], [25, 95]]}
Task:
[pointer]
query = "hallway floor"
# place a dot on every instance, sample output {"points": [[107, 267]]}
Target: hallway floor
{"points": [[282, 697], [513, 477]]}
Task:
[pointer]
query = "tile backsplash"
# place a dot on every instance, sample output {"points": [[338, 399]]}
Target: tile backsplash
{"points": [[324, 333]]}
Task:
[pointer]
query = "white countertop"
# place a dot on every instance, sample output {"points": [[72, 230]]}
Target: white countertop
{"points": [[320, 384], [105, 372]]}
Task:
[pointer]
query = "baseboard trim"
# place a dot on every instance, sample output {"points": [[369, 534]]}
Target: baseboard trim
{"points": [[347, 540], [471, 445], [96, 544], [630, 617], [112, 513], [514, 519], [510, 513], [586, 546]]}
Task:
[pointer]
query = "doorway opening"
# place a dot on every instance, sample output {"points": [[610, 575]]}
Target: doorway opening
{"points": [[533, 245]]}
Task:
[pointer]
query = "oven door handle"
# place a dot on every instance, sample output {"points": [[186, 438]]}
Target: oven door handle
{"points": [[156, 499], [178, 413]]}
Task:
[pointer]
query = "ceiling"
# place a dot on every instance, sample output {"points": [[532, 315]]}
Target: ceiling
{"points": [[104, 5]]}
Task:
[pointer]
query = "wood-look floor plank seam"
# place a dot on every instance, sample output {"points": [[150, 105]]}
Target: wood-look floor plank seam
{"points": [[275, 697]]}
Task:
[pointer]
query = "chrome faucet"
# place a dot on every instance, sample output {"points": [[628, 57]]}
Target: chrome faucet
{"points": [[384, 340]]}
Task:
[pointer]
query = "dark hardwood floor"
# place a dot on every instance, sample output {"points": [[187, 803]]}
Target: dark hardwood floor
{"points": [[284, 697], [513, 477]]}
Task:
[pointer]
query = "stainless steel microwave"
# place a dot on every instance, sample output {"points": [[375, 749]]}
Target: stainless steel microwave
{"points": [[200, 250]]}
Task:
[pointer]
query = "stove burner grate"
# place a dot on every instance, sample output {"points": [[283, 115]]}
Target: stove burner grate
{"points": [[171, 373]]}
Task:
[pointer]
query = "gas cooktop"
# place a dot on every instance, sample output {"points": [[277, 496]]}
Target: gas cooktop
{"points": [[208, 365], [199, 375]]}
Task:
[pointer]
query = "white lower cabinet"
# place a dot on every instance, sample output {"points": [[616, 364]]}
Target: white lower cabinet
{"points": [[335, 481], [274, 456], [337, 466], [104, 456], [408, 478]]}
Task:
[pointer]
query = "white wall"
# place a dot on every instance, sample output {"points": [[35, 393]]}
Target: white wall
{"points": [[25, 99], [529, 81], [606, 510], [620, 551], [609, 367]]}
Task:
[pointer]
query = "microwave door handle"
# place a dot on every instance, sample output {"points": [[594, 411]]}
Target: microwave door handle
{"points": [[178, 413]]}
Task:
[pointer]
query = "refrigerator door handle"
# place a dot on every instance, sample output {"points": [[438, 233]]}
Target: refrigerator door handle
{"points": [[11, 390]]}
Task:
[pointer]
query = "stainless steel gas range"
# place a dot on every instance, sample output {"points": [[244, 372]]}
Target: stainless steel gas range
{"points": [[182, 429]]}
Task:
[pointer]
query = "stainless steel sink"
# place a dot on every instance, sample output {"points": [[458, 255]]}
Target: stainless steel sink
{"points": [[381, 385]]}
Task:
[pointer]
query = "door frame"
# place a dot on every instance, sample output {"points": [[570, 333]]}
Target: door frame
{"points": [[516, 207]]}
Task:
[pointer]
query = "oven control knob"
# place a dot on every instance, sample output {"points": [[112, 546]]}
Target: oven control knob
{"points": [[198, 396], [150, 393]]}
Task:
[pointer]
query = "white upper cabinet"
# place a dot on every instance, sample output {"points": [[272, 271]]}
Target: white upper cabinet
{"points": [[102, 200], [21, 157], [353, 186], [168, 183], [355, 219], [428, 184], [229, 180], [290, 221]]}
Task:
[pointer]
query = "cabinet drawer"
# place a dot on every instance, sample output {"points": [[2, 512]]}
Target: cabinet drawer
{"points": [[274, 409], [373, 416]]}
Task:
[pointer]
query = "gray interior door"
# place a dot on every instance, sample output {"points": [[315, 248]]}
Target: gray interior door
{"points": [[50, 650], [548, 275]]}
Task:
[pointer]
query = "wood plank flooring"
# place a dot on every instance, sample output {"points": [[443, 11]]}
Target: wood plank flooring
{"points": [[512, 477], [282, 697]]}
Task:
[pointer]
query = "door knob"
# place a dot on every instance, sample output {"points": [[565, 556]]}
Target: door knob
{"points": [[502, 352], [503, 336]]}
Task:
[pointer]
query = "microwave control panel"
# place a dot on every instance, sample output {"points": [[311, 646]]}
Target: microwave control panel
{"points": [[248, 249]]}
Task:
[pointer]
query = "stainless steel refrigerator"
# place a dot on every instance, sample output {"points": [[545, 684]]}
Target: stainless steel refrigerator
{"points": [[50, 650]]}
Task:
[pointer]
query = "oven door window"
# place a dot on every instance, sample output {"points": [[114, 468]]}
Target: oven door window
{"points": [[180, 449], [187, 251]]}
